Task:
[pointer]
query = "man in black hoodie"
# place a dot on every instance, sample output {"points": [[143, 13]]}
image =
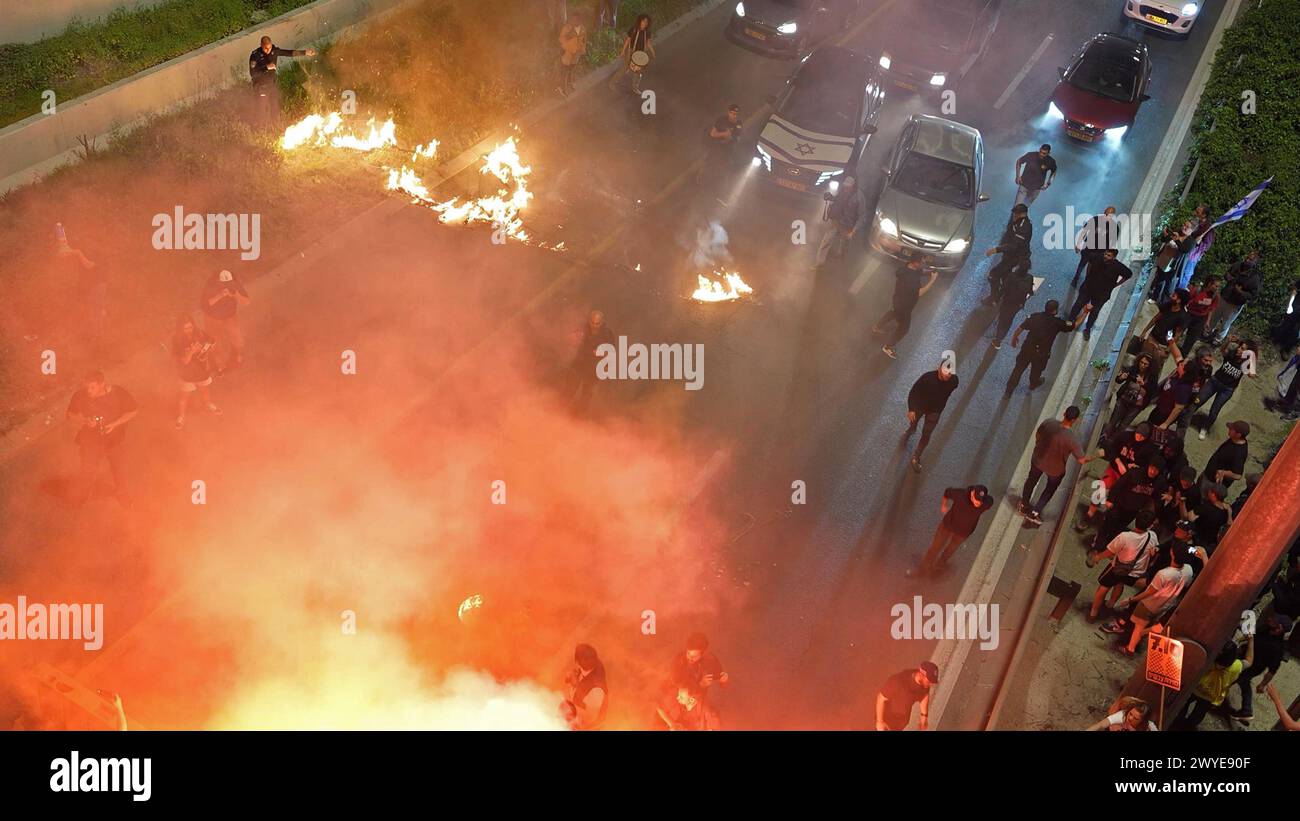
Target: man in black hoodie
{"points": [[1104, 274], [1241, 287], [1014, 248]]}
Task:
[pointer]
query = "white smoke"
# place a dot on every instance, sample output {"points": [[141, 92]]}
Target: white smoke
{"points": [[711, 250]]}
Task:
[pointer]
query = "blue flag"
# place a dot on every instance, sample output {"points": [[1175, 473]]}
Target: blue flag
{"points": [[1239, 210]]}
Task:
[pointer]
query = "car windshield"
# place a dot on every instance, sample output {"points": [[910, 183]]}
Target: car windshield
{"points": [[824, 104], [936, 180], [1112, 78]]}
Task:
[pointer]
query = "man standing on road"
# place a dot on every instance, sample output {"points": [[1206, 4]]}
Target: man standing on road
{"points": [[1241, 287], [100, 411], [1098, 234], [1041, 330], [1014, 248], [909, 285], [926, 400], [261, 70], [1034, 173], [1054, 445], [901, 690], [720, 139], [844, 213], [1103, 275], [222, 296], [962, 508]]}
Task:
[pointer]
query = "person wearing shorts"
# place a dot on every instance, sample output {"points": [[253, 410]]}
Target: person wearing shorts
{"points": [[1129, 552], [190, 349]]}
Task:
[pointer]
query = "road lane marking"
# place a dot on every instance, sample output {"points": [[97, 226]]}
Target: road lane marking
{"points": [[1024, 71], [1005, 532], [873, 265]]}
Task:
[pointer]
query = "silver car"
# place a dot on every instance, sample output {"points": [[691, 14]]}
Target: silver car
{"points": [[932, 185]]}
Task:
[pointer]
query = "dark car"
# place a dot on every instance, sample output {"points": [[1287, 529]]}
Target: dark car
{"points": [[932, 44], [788, 28], [1102, 88], [822, 121]]}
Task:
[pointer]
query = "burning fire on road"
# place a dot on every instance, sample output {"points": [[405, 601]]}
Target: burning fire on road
{"points": [[727, 287]]}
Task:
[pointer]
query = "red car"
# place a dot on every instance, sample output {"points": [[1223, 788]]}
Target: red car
{"points": [[1102, 88]]}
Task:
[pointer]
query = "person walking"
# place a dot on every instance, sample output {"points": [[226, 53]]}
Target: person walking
{"points": [[594, 334], [720, 142], [961, 508], [902, 690], [573, 45], [1035, 171], [910, 284], [1098, 234], [1240, 288], [1017, 288], [1137, 385], [638, 40], [1103, 275], [261, 72], [101, 411], [1040, 331], [845, 213], [190, 348], [222, 297], [925, 402], [1054, 446], [1014, 246], [1220, 387]]}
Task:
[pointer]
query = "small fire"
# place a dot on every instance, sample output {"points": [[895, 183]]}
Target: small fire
{"points": [[713, 291], [318, 130]]}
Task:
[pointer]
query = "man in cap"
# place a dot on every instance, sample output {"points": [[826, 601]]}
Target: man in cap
{"points": [[962, 508], [222, 296], [900, 691]]}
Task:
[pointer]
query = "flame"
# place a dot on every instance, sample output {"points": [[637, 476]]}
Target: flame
{"points": [[713, 291], [471, 603], [318, 130]]}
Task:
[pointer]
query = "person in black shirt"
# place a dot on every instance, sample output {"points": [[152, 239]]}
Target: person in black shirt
{"points": [[222, 296], [1137, 385], [261, 71], [910, 284], [190, 348], [1138, 490], [1014, 246], [962, 508], [1104, 274], [594, 334], [1223, 383], [1228, 462], [1160, 336], [1100, 232], [1041, 330], [637, 39], [925, 401], [844, 211], [1017, 288], [901, 690], [101, 412], [1210, 516], [1241, 287], [721, 140], [1270, 650], [1039, 169]]}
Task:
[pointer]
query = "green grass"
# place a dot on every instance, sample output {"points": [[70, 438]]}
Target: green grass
{"points": [[89, 56]]}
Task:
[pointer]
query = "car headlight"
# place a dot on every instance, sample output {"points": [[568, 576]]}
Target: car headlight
{"points": [[1116, 133], [787, 28], [834, 187], [1054, 112], [1190, 9], [740, 9], [938, 79], [956, 246], [884, 61], [887, 226]]}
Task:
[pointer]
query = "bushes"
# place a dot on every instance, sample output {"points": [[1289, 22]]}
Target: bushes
{"points": [[1243, 149], [88, 56]]}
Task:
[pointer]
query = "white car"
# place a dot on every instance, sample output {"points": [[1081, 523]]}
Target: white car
{"points": [[1174, 16]]}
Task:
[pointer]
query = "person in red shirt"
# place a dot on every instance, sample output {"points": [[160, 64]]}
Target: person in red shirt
{"points": [[1200, 304]]}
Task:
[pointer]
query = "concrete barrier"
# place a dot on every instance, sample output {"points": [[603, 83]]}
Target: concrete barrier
{"points": [[37, 145]]}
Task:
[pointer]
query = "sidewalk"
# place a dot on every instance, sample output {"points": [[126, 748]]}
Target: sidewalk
{"points": [[1068, 676]]}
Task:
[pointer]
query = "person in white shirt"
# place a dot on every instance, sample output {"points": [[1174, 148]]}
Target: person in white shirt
{"points": [[1129, 553], [1130, 715], [1157, 598]]}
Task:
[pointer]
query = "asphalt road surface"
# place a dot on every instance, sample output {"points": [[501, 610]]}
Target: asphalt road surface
{"points": [[796, 388]]}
